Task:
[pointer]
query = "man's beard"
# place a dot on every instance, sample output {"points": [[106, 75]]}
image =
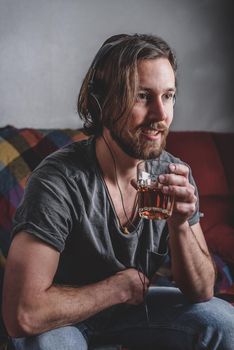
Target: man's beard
{"points": [[134, 145]]}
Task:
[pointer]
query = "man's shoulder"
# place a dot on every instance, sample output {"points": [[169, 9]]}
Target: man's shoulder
{"points": [[168, 157], [69, 159]]}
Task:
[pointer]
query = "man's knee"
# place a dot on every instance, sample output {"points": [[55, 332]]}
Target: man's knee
{"points": [[215, 312], [69, 338], [215, 319]]}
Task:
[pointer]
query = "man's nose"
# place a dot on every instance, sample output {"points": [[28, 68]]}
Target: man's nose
{"points": [[157, 110]]}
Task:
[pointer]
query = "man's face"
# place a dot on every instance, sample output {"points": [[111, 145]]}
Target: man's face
{"points": [[142, 135]]}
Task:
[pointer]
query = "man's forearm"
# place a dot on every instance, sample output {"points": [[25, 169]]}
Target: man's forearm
{"points": [[192, 266], [59, 306], [63, 305]]}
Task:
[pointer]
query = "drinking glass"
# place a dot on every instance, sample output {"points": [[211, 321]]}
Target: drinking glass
{"points": [[152, 203]]}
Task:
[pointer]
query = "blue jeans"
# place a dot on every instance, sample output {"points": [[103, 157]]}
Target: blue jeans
{"points": [[170, 323]]}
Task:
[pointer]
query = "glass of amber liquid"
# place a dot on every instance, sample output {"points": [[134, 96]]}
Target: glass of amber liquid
{"points": [[152, 203]]}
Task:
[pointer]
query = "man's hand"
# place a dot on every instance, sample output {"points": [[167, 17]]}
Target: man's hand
{"points": [[133, 285], [177, 183]]}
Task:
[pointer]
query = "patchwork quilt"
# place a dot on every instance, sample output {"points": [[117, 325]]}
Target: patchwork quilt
{"points": [[21, 150]]}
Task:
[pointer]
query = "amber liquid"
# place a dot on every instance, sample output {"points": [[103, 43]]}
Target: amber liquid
{"points": [[153, 204]]}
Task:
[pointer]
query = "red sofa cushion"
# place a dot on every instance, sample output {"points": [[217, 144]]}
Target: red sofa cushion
{"points": [[199, 150], [225, 146], [210, 158], [220, 240]]}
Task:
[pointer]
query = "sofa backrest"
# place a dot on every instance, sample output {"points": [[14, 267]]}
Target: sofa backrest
{"points": [[210, 158]]}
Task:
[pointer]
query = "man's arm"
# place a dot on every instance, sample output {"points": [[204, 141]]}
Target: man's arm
{"points": [[192, 266], [32, 304]]}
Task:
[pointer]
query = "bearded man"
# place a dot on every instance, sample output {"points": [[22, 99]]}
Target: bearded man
{"points": [[81, 259]]}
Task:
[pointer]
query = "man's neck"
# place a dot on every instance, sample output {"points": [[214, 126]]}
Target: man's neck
{"points": [[109, 155]]}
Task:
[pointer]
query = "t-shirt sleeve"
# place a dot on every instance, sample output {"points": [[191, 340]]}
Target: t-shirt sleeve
{"points": [[46, 210]]}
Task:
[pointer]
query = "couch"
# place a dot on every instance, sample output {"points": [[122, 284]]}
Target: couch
{"points": [[209, 155]]}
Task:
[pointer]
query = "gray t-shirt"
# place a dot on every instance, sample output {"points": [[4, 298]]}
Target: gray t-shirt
{"points": [[66, 204]]}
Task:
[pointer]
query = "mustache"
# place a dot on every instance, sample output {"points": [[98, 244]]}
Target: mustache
{"points": [[157, 126]]}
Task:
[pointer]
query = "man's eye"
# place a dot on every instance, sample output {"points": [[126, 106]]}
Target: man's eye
{"points": [[143, 96], [169, 97]]}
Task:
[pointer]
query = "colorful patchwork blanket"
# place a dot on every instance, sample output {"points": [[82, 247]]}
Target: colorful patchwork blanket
{"points": [[21, 150]]}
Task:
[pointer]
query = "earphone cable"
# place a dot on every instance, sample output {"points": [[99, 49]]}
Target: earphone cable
{"points": [[118, 186], [138, 268]]}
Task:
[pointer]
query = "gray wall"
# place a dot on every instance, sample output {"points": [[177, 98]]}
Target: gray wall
{"points": [[46, 47]]}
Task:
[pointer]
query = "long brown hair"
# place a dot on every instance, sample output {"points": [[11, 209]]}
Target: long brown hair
{"points": [[109, 88]]}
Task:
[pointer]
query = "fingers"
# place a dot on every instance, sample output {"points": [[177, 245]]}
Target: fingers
{"points": [[184, 193], [177, 184], [134, 183], [144, 280], [184, 209], [179, 174], [135, 284], [179, 169]]}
